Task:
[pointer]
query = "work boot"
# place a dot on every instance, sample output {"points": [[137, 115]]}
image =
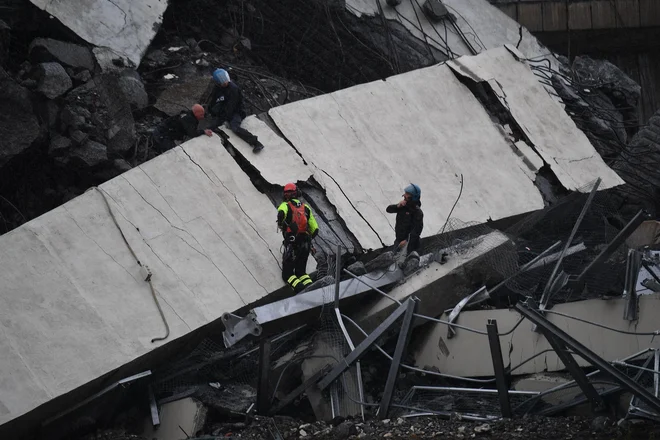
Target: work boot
{"points": [[327, 280], [257, 147], [411, 263]]}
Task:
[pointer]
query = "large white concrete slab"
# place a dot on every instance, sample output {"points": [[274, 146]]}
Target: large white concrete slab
{"points": [[366, 143], [484, 26], [125, 27], [551, 131], [468, 354], [73, 306]]}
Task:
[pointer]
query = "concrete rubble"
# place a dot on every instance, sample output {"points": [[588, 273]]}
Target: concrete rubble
{"points": [[153, 302]]}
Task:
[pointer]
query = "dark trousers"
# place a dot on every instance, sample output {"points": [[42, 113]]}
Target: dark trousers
{"points": [[162, 140], [294, 265], [235, 125]]}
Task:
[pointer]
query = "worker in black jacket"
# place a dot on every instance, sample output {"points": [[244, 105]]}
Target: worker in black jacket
{"points": [[409, 219], [226, 105], [179, 127]]}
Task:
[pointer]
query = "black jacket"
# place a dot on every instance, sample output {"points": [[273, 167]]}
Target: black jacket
{"points": [[225, 102], [183, 126], [409, 223]]}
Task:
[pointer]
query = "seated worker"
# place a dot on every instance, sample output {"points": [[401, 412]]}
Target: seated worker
{"points": [[179, 127], [226, 105], [298, 225], [409, 219]]}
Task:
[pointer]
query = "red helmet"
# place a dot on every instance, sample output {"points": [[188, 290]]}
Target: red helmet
{"points": [[290, 190]]}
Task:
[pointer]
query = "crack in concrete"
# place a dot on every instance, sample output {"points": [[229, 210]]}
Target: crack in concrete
{"points": [[575, 160], [353, 206], [232, 251], [96, 243], [161, 194], [250, 223], [173, 310], [210, 260], [122, 11]]}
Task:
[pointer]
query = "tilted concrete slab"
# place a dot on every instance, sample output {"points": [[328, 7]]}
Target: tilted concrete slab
{"points": [[468, 354], [366, 143], [73, 305], [125, 27], [553, 134], [484, 26]]}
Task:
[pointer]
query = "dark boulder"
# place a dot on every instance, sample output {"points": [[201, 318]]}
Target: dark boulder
{"points": [[131, 85], [19, 127], [68, 54], [53, 81]]}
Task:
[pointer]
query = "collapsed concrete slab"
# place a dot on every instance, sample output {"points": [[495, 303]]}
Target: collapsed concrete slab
{"points": [[187, 415], [553, 134], [370, 141], [468, 354], [123, 27], [475, 27], [74, 303]]}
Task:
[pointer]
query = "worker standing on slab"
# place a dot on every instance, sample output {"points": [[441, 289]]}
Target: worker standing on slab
{"points": [[227, 106], [409, 219], [179, 127], [298, 225]]}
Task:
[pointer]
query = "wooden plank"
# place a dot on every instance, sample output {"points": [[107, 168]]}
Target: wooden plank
{"points": [[530, 15], [554, 16], [510, 9], [579, 15], [649, 12], [627, 13], [602, 15]]}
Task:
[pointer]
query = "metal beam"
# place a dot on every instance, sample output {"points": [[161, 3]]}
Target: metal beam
{"points": [[299, 390], [612, 246], [546, 292], [589, 356], [270, 318], [498, 368], [155, 418], [580, 378], [263, 388], [399, 352], [631, 306], [362, 348], [358, 368], [337, 275]]}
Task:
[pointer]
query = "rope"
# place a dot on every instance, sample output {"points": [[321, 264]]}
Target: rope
{"points": [[130, 248]]}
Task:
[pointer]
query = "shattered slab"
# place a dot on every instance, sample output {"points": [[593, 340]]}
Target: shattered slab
{"points": [[482, 24], [74, 305], [124, 27], [553, 134], [434, 351], [364, 144]]}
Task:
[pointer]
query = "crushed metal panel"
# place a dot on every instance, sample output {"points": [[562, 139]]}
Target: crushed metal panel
{"points": [[552, 132], [71, 289], [126, 27], [364, 144], [182, 416], [523, 343]]}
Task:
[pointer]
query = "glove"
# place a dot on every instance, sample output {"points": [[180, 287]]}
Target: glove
{"points": [[208, 132]]}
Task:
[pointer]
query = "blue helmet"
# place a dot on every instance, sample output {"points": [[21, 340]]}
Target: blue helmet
{"points": [[414, 190], [220, 76]]}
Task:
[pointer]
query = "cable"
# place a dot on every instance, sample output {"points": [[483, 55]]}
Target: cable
{"points": [[452, 208], [130, 248], [655, 333]]}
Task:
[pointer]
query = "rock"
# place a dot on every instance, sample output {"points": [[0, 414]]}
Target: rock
{"points": [[50, 113], [346, 429], [601, 423], [357, 268], [435, 10], [4, 41], [83, 76], [157, 57], [303, 433], [18, 123], [110, 61], [72, 117], [388, 435], [59, 145], [91, 154], [78, 137], [133, 89], [461, 429], [69, 54], [123, 166], [29, 83], [482, 428], [202, 63], [53, 80]]}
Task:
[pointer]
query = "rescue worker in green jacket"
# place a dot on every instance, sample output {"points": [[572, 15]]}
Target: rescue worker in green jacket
{"points": [[298, 225]]}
